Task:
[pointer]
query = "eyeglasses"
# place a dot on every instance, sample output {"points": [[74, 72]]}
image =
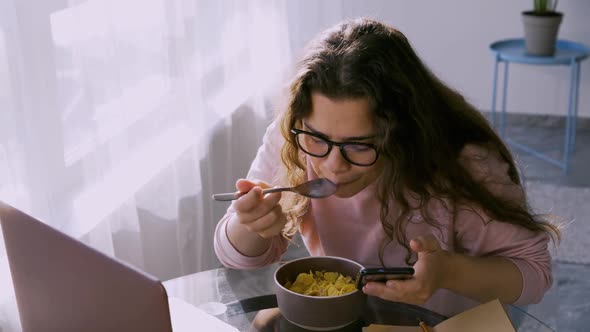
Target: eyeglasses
{"points": [[356, 153]]}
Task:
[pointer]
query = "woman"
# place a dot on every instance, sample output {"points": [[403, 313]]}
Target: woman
{"points": [[422, 180]]}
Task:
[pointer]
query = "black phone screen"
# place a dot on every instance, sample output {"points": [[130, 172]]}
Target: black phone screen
{"points": [[382, 274]]}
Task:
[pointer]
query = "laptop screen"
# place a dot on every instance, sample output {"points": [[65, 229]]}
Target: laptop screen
{"points": [[63, 285]]}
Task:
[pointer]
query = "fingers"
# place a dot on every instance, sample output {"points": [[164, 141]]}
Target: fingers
{"points": [[407, 291], [260, 213], [270, 224], [244, 185], [425, 243], [249, 201], [422, 285], [253, 203]]}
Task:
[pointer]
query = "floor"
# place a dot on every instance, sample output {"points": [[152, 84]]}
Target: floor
{"points": [[566, 306], [547, 135]]}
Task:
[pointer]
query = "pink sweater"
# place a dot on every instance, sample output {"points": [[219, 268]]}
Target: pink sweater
{"points": [[351, 228]]}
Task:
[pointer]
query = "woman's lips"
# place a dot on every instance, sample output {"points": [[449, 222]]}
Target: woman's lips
{"points": [[342, 183]]}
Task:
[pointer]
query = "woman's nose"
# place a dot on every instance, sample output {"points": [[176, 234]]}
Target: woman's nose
{"points": [[335, 161]]}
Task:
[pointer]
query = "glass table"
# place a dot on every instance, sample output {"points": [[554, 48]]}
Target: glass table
{"points": [[245, 300]]}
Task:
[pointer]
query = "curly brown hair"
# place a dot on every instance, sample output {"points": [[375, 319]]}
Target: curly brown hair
{"points": [[423, 125]]}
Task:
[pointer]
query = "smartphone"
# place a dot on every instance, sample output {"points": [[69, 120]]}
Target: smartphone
{"points": [[382, 274]]}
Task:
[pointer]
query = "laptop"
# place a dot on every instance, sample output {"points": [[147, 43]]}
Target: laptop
{"points": [[64, 285]]}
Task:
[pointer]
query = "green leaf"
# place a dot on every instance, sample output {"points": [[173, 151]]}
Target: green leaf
{"points": [[543, 6]]}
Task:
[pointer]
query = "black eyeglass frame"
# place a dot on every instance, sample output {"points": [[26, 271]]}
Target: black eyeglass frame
{"points": [[340, 145]]}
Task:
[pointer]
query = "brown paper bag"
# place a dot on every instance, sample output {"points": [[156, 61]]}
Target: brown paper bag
{"points": [[488, 317]]}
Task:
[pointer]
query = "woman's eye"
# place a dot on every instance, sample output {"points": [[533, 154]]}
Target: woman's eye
{"points": [[317, 140], [357, 148]]}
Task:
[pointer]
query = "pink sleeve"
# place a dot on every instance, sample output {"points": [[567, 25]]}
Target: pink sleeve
{"points": [[480, 236], [263, 168], [232, 258]]}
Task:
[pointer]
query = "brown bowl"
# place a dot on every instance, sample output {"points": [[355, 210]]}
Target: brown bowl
{"points": [[319, 313]]}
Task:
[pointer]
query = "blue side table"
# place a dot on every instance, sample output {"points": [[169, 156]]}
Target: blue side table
{"points": [[566, 53]]}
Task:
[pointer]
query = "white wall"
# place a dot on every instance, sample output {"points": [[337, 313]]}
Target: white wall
{"points": [[453, 38]]}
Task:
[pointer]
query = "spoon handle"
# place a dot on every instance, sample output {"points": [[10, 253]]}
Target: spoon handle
{"points": [[274, 190], [236, 195], [227, 196]]}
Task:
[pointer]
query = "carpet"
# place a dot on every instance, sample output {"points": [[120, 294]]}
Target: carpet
{"points": [[572, 205]]}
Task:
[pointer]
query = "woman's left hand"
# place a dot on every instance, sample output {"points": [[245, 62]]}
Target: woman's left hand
{"points": [[429, 273]]}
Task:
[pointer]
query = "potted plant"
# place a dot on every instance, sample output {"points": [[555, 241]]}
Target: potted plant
{"points": [[541, 26]]}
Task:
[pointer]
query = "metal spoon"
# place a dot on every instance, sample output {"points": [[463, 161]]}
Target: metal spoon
{"points": [[317, 188]]}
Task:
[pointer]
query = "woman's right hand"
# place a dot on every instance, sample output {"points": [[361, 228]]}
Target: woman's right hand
{"points": [[258, 213]]}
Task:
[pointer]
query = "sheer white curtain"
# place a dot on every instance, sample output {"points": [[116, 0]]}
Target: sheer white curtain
{"points": [[118, 119]]}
